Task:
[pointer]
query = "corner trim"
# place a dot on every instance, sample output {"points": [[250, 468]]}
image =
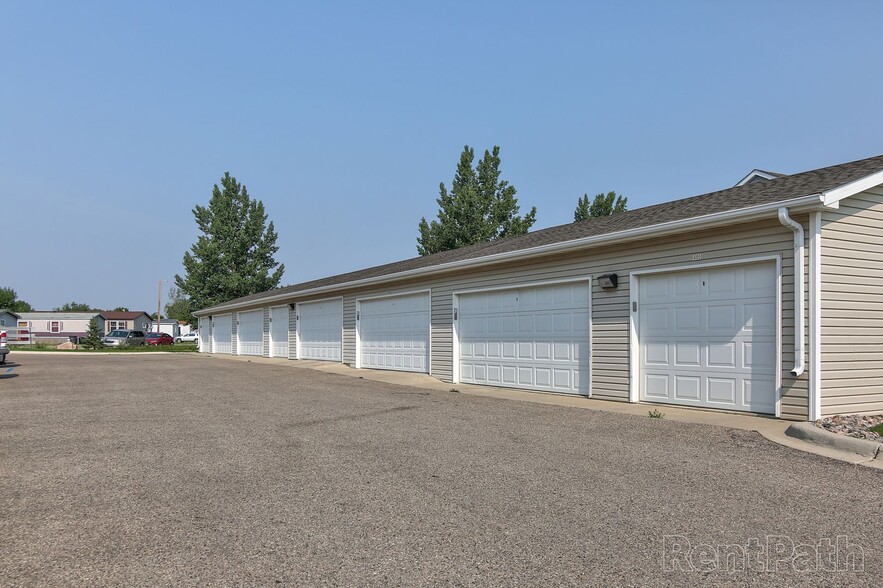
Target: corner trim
{"points": [[815, 317]]}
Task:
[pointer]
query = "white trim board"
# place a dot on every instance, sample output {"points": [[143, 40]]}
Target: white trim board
{"points": [[814, 390]]}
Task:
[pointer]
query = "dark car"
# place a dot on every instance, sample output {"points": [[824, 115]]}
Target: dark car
{"points": [[158, 339]]}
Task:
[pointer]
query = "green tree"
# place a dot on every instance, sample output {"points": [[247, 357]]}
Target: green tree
{"points": [[121, 309], [9, 299], [93, 336], [480, 207], [74, 307], [178, 306], [233, 255], [602, 205]]}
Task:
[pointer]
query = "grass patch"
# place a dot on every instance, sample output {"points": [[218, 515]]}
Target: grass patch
{"points": [[176, 348], [877, 429], [655, 414]]}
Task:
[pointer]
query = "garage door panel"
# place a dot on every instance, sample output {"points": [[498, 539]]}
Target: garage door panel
{"points": [[720, 351], [687, 354], [320, 330], [222, 334], [722, 390], [250, 332], [687, 387], [279, 325], [394, 333], [532, 337]]}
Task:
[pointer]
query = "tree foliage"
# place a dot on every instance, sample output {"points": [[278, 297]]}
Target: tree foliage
{"points": [[75, 307], [233, 254], [602, 205], [178, 306], [93, 339], [9, 299], [121, 309], [480, 207]]}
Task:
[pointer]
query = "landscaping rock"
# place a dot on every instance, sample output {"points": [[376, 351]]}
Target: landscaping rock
{"points": [[852, 425]]}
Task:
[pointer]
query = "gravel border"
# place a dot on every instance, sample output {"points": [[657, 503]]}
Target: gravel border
{"points": [[852, 425]]}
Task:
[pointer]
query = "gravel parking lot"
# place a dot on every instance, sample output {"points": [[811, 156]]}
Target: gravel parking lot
{"points": [[185, 470]]}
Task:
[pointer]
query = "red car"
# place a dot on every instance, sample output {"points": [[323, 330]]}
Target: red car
{"points": [[158, 339]]}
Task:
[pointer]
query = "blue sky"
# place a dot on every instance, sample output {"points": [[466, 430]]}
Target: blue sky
{"points": [[117, 118]]}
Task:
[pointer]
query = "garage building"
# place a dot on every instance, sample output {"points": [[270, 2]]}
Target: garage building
{"points": [[764, 297]]}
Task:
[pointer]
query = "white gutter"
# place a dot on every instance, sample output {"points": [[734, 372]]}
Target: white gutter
{"points": [[799, 304], [706, 221]]}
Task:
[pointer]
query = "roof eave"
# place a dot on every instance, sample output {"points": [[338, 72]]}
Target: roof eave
{"points": [[811, 202], [834, 196]]}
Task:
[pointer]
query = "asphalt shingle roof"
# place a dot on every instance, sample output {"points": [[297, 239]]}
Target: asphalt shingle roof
{"points": [[753, 194], [122, 315]]}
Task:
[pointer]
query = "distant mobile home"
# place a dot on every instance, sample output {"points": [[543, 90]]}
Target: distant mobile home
{"points": [[764, 298], [50, 325]]}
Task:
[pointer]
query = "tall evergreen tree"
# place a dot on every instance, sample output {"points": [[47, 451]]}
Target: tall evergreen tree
{"points": [[602, 205], [480, 207], [93, 338], [233, 255]]}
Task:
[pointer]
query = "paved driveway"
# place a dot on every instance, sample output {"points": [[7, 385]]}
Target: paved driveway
{"points": [[169, 469]]}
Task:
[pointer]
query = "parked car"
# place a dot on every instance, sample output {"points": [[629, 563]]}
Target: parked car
{"points": [[4, 348], [158, 339], [123, 338], [188, 338]]}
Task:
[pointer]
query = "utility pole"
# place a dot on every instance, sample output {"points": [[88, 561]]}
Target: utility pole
{"points": [[158, 305]]}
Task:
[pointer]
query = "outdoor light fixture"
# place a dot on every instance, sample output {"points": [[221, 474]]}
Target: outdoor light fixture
{"points": [[608, 281], [291, 306]]}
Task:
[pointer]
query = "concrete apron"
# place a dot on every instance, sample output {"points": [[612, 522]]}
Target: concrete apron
{"points": [[771, 428]]}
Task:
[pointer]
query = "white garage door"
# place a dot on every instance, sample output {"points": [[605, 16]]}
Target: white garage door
{"points": [[708, 338], [251, 332], [535, 338], [394, 333], [222, 334], [320, 330], [204, 343], [279, 331]]}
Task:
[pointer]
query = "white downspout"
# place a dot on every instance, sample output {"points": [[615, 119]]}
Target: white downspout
{"points": [[799, 303]]}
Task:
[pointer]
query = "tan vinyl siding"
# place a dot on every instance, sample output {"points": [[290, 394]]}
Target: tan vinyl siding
{"points": [[852, 305], [349, 330], [234, 337], [610, 309], [292, 335], [266, 331]]}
